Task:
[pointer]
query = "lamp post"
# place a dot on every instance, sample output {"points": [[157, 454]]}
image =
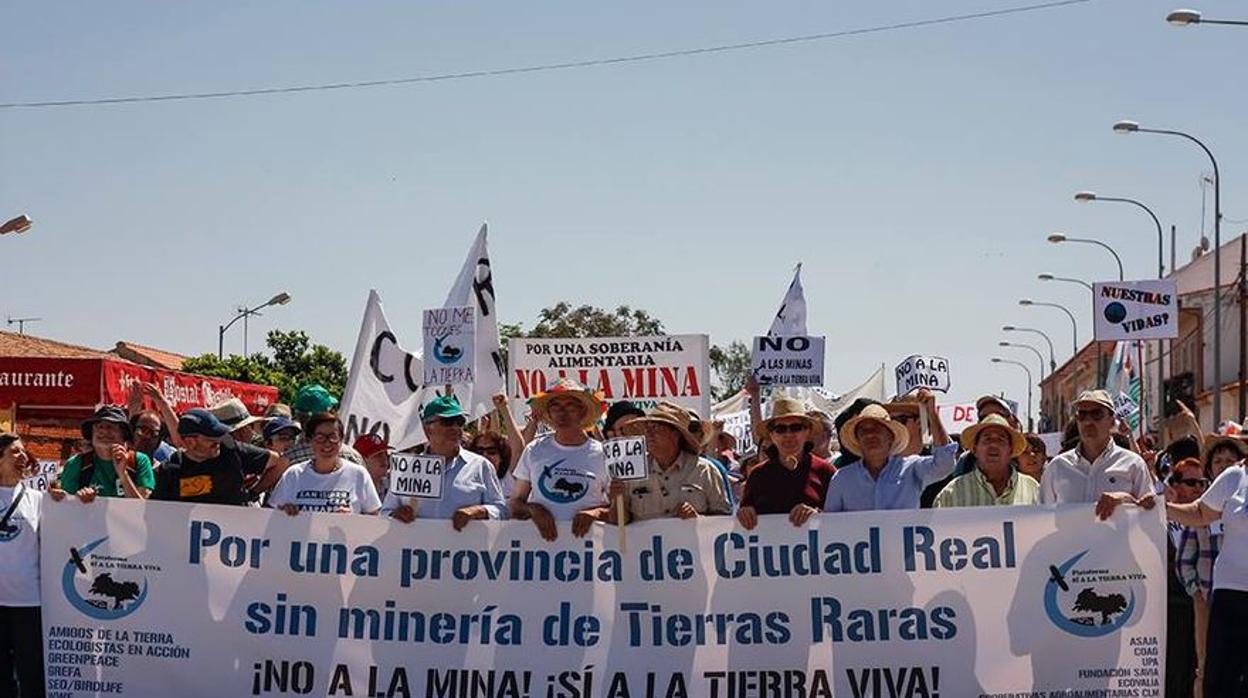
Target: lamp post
{"points": [[280, 299], [1032, 349], [998, 360], [16, 225], [1125, 127], [1183, 18], [1052, 354], [1046, 276], [1092, 196], [1074, 326], [1058, 238]]}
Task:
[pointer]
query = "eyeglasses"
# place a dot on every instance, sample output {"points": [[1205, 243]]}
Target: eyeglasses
{"points": [[1197, 482], [326, 438], [453, 422], [793, 428], [146, 431], [1095, 415]]}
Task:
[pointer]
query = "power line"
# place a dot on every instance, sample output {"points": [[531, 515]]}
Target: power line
{"points": [[548, 66]]}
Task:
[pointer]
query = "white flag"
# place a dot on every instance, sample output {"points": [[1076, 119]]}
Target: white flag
{"points": [[475, 287], [791, 318], [383, 391]]}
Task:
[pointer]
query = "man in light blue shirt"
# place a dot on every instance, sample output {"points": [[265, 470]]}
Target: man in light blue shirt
{"points": [[470, 487], [884, 479]]}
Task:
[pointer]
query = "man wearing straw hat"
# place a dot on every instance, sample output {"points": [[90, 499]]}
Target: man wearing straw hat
{"points": [[562, 476], [883, 478], [681, 484], [994, 481], [790, 479]]}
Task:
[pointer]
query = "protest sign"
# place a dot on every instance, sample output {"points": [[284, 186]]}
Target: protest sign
{"points": [[626, 457], [450, 340], [384, 387], [959, 603], [45, 472], [931, 372], [959, 416], [416, 476], [1124, 310], [643, 370], [788, 360]]}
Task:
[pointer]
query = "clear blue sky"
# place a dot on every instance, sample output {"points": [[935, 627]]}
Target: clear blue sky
{"points": [[916, 172]]}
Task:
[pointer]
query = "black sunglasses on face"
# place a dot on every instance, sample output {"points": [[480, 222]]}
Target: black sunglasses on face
{"points": [[904, 418], [788, 428], [1197, 482]]}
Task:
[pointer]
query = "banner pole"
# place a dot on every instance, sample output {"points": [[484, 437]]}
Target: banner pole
{"points": [[619, 521]]}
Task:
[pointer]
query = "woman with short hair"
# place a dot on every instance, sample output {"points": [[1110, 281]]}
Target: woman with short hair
{"points": [[21, 636]]}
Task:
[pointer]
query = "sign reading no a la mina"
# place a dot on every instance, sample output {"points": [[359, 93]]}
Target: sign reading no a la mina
{"points": [[416, 476], [931, 372]]}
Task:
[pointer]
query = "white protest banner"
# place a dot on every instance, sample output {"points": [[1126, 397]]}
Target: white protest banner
{"points": [[626, 458], [1124, 310], [643, 370], [959, 603], [790, 319], [383, 390], [957, 417], [45, 472], [931, 372], [788, 360], [416, 476], [450, 338], [475, 286]]}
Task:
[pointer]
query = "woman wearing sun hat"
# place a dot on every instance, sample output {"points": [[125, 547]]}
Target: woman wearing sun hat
{"points": [[790, 479], [562, 476], [884, 479]]}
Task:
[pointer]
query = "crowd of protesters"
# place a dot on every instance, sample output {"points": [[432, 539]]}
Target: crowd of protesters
{"points": [[896, 455]]}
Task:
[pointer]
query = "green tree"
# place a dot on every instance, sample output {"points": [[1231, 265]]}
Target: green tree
{"points": [[732, 365], [563, 321], [295, 362]]}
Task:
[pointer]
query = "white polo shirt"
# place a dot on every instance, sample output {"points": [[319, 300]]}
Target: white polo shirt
{"points": [[1070, 478]]}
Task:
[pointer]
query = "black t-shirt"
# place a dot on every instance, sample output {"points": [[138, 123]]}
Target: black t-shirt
{"points": [[215, 481]]}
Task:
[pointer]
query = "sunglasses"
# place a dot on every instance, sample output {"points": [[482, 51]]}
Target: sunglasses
{"points": [[452, 421], [1197, 482], [905, 418], [1093, 415], [794, 428]]}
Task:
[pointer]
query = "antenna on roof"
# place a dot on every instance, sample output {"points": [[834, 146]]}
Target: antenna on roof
{"points": [[21, 322]]}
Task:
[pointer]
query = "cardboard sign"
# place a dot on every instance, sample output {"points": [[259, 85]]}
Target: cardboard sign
{"points": [[416, 476], [931, 372], [450, 338], [1125, 310], [788, 360], [626, 458]]}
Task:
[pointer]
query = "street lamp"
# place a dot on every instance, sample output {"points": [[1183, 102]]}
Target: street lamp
{"points": [[1058, 238], [280, 299], [17, 225], [998, 360], [1046, 276], [1074, 326], [1033, 350], [1126, 126], [1086, 196], [1052, 354], [1183, 18]]}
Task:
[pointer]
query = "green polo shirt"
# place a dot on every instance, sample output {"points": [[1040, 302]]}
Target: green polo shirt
{"points": [[104, 477], [973, 490]]}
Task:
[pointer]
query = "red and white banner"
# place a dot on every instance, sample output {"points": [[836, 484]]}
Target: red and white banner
{"points": [[42, 381], [183, 390]]}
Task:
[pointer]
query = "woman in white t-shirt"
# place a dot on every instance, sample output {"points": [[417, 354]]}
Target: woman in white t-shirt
{"points": [[21, 628], [1226, 500], [562, 476], [328, 482]]}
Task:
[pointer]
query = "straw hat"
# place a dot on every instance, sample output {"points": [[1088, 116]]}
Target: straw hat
{"points": [[902, 405], [671, 415], [566, 387], [873, 413], [1213, 441], [1018, 443], [784, 407]]}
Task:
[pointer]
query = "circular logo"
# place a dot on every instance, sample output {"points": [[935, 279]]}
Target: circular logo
{"points": [[1115, 312], [10, 530], [117, 597], [1099, 603], [561, 485]]}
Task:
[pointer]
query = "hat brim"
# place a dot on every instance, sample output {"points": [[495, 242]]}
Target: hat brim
{"points": [[593, 406], [637, 427], [847, 437], [88, 426], [1098, 403], [244, 422], [1018, 443], [1213, 441]]}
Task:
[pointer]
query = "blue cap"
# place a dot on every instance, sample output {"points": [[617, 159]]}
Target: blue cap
{"points": [[276, 424], [201, 422]]}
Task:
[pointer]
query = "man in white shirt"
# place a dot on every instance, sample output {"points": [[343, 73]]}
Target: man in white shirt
{"points": [[1097, 470]]}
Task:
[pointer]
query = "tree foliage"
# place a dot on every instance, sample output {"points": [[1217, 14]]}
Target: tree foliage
{"points": [[295, 362], [732, 367], [561, 320]]}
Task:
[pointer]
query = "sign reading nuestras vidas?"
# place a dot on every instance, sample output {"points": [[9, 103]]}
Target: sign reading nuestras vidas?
{"points": [[626, 457], [788, 360], [1126, 310], [416, 476], [931, 372], [450, 335]]}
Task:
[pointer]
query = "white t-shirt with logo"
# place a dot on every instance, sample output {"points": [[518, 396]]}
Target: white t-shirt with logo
{"points": [[564, 479], [19, 548], [349, 487], [1229, 495]]}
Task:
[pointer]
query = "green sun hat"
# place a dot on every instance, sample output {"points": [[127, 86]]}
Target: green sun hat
{"points": [[443, 407], [313, 399]]}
